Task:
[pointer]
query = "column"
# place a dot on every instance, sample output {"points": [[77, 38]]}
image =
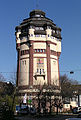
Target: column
{"points": [[31, 63], [58, 55], [48, 63], [18, 64]]}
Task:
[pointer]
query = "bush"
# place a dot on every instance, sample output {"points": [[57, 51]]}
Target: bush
{"points": [[6, 112]]}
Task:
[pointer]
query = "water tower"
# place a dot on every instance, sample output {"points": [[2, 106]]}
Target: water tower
{"points": [[38, 44]]}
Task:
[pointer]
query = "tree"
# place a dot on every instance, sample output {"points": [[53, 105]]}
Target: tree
{"points": [[58, 104], [8, 89], [6, 99], [2, 83], [67, 86], [2, 79], [66, 90], [13, 77], [46, 97]]}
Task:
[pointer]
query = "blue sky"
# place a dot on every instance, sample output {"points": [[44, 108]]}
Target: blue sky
{"points": [[65, 14]]}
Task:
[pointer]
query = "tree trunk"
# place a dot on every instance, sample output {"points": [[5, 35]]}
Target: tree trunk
{"points": [[57, 110]]}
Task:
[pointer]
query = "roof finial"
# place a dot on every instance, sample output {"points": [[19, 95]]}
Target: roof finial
{"points": [[37, 4]]}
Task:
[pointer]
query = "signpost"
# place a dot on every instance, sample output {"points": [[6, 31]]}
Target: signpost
{"points": [[30, 100], [25, 99]]}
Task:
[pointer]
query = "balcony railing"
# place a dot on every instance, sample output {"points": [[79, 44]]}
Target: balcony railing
{"points": [[39, 74]]}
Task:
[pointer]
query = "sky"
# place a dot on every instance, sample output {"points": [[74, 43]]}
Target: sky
{"points": [[66, 14]]}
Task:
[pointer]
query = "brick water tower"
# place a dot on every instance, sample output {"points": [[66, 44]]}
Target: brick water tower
{"points": [[38, 44]]}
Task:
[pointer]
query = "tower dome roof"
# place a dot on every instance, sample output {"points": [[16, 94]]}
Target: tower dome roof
{"points": [[37, 13], [37, 19]]}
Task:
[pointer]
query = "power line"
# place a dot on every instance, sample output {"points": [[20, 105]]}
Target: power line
{"points": [[77, 70]]}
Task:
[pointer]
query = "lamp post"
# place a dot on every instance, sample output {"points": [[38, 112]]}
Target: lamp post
{"points": [[72, 72], [14, 94], [30, 97]]}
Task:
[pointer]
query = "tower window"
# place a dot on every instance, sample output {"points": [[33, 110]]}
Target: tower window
{"points": [[48, 35], [31, 35], [37, 70], [31, 27], [22, 52], [43, 36], [40, 71], [37, 28], [48, 27], [38, 50], [37, 15], [25, 62], [41, 50], [37, 35], [35, 50], [43, 70], [41, 28]]}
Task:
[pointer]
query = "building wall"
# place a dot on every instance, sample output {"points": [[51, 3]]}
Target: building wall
{"points": [[53, 47], [39, 43], [24, 72], [24, 47], [66, 107], [54, 72]]}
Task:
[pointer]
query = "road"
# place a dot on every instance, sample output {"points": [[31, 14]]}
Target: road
{"points": [[59, 117]]}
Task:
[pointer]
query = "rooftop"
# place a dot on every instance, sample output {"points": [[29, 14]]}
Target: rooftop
{"points": [[37, 13]]}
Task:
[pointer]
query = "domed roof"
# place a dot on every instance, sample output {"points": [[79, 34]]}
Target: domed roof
{"points": [[37, 13], [37, 18]]}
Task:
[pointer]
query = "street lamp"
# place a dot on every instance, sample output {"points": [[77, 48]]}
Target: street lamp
{"points": [[71, 72]]}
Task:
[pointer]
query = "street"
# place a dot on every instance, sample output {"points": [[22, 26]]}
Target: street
{"points": [[53, 117]]}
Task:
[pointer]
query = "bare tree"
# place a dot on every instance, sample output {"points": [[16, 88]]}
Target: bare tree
{"points": [[46, 97], [67, 86], [58, 104], [13, 78], [2, 79]]}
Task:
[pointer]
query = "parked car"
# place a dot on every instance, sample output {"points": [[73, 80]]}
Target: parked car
{"points": [[79, 109], [32, 110], [17, 109], [73, 119], [76, 110], [23, 110], [79, 115]]}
